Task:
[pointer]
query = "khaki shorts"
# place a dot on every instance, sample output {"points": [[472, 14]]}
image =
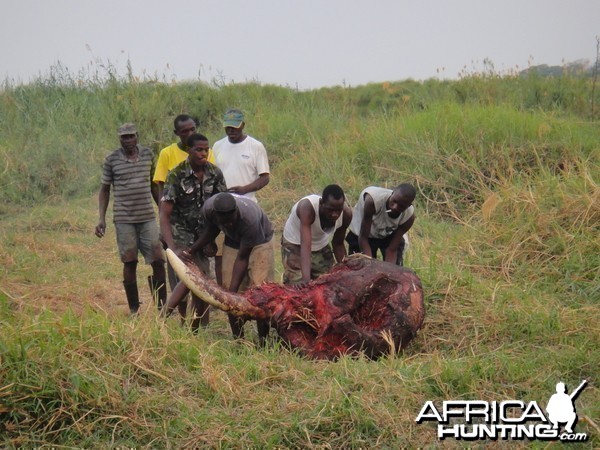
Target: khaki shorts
{"points": [[220, 241], [261, 266]]}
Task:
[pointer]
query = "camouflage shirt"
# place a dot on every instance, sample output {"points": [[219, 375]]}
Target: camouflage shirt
{"points": [[188, 194]]}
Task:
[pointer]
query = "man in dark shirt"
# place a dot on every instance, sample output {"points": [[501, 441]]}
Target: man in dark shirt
{"points": [[248, 249], [186, 189]]}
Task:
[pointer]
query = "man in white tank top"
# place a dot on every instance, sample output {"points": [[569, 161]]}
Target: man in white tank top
{"points": [[313, 222], [379, 221]]}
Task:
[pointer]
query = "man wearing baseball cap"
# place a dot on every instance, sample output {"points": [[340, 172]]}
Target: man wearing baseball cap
{"points": [[244, 163], [129, 170], [242, 158]]}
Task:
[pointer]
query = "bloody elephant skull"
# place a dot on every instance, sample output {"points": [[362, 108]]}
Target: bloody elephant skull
{"points": [[362, 305]]}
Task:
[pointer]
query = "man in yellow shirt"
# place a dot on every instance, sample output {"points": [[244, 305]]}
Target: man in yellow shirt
{"points": [[171, 156], [168, 158]]}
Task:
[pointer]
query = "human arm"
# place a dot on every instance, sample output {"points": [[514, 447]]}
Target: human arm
{"points": [[208, 236], [337, 241], [365, 225], [240, 268], [306, 214], [391, 252], [168, 201], [262, 180], [156, 191], [161, 170], [164, 213], [219, 184], [103, 199]]}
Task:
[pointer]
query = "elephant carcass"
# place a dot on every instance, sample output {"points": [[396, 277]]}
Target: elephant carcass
{"points": [[361, 305]]}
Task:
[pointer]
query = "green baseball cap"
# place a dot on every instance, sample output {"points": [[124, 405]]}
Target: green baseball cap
{"points": [[233, 118]]}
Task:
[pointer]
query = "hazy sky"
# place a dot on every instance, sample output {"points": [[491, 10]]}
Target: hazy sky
{"points": [[310, 43]]}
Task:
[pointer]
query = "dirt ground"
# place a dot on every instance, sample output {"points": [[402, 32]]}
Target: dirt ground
{"points": [[52, 260]]}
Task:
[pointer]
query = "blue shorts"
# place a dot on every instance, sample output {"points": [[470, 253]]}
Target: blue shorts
{"points": [[142, 237]]}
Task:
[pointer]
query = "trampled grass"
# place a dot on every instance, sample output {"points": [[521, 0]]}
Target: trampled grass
{"points": [[77, 371], [505, 242]]}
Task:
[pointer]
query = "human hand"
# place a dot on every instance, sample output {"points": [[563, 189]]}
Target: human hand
{"points": [[237, 190], [100, 229], [163, 242], [299, 285], [184, 255], [210, 249]]}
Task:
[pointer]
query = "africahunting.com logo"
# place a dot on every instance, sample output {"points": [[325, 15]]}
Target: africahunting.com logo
{"points": [[512, 419]]}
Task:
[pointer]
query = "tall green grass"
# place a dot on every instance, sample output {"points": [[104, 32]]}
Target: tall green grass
{"points": [[70, 123], [505, 242]]}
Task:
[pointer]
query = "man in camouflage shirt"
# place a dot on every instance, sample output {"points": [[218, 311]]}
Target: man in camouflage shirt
{"points": [[186, 189]]}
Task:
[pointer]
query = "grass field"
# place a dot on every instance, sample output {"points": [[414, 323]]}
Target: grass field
{"points": [[506, 243]]}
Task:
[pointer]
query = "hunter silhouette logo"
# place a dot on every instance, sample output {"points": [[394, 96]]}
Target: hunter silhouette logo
{"points": [[511, 419], [561, 406]]}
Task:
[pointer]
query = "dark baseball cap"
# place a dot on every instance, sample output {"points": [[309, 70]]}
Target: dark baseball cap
{"points": [[224, 203], [127, 128]]}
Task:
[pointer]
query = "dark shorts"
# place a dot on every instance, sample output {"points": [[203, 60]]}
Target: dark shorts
{"points": [[139, 237], [321, 261], [376, 245]]}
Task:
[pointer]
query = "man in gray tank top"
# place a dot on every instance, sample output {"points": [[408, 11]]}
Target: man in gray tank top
{"points": [[380, 220]]}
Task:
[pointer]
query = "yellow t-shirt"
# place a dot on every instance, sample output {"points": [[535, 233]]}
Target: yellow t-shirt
{"points": [[171, 156]]}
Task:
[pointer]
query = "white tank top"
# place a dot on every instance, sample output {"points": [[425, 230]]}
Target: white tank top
{"points": [[320, 237]]}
